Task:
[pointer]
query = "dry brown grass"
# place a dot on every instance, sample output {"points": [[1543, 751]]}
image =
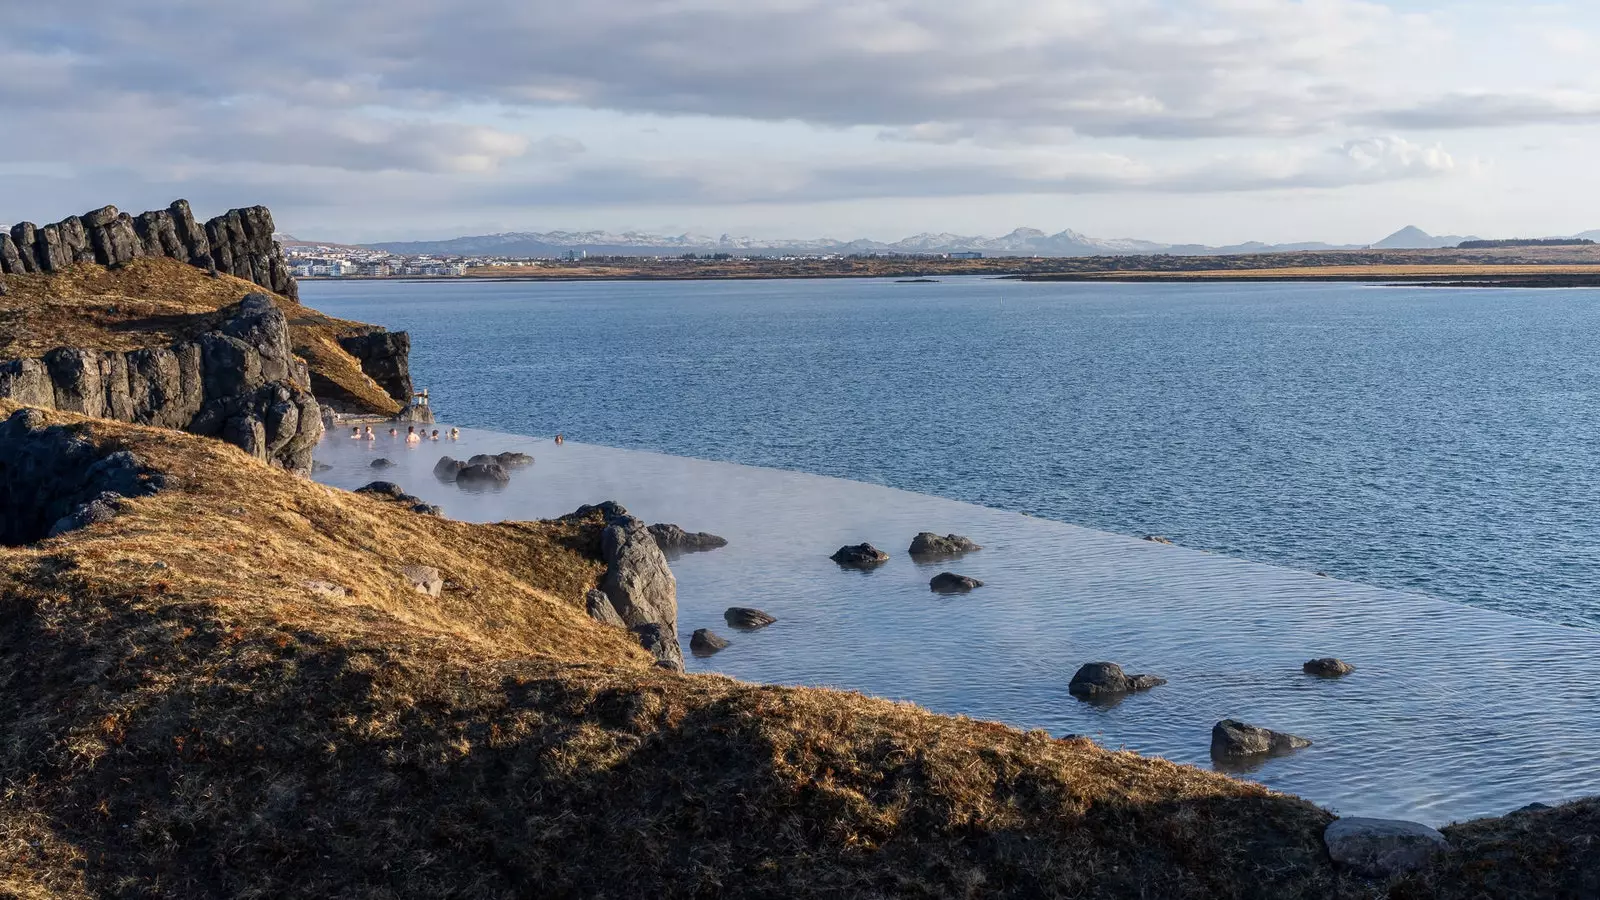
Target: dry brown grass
{"points": [[182, 717], [154, 302]]}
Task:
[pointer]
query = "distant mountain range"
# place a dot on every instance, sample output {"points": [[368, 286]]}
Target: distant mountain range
{"points": [[1021, 242]]}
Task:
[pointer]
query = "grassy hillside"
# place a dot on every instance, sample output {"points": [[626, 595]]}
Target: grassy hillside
{"points": [[154, 302]]}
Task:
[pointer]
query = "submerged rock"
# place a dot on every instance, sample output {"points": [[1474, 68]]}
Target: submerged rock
{"points": [[859, 556], [382, 462], [705, 642], [1105, 679], [673, 539], [747, 619], [1382, 848], [929, 544], [489, 475], [1232, 738], [1328, 667], [951, 583], [513, 460]]}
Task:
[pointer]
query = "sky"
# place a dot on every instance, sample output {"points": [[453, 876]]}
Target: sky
{"points": [[1204, 121]]}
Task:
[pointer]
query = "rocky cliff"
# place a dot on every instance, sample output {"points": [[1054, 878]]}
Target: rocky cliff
{"points": [[240, 382], [238, 242]]}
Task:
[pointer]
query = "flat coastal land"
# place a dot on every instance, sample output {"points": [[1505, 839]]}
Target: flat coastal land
{"points": [[1565, 266]]}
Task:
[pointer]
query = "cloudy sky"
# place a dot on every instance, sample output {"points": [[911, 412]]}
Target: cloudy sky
{"points": [[1175, 120]]}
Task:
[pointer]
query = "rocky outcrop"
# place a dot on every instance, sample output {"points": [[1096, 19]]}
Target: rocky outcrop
{"points": [[600, 609], [240, 383], [1099, 680], [238, 242], [951, 583], [385, 357], [391, 491], [673, 539], [52, 481], [929, 544], [1230, 738], [639, 584], [1328, 667], [859, 556], [1382, 848]]}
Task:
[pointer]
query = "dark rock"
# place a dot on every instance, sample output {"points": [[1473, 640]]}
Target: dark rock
{"points": [[513, 460], [53, 481], [490, 475], [447, 468], [483, 459], [1156, 539], [1532, 807], [929, 544], [25, 240], [383, 489], [601, 610], [76, 239], [705, 642], [662, 642], [637, 579], [427, 509], [416, 414], [951, 583], [673, 539], [1327, 667], [746, 619], [50, 250], [1382, 848], [190, 234], [1104, 679], [860, 556], [1231, 738], [10, 259], [382, 462], [385, 358]]}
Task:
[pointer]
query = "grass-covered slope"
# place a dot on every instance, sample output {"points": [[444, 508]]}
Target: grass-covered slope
{"points": [[155, 302], [232, 690], [182, 715]]}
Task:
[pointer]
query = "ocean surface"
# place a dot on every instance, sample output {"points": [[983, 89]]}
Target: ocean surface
{"points": [[1453, 712], [1438, 441]]}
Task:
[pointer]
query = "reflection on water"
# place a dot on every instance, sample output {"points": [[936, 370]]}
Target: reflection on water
{"points": [[1453, 712]]}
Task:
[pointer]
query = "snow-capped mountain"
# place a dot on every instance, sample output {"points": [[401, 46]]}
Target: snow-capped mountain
{"points": [[1021, 242]]}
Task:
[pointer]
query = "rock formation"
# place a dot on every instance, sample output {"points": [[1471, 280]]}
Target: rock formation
{"points": [[639, 584], [240, 383], [238, 242], [53, 481], [385, 357], [1103, 679]]}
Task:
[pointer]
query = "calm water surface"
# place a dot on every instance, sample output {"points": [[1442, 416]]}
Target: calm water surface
{"points": [[1438, 441], [1454, 712]]}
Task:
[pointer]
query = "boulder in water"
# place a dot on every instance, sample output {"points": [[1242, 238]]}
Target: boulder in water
{"points": [[447, 468], [382, 462], [951, 583], [1327, 667], [860, 556], [491, 475], [513, 460], [1105, 679], [1232, 738], [673, 539], [705, 642], [929, 544], [747, 619]]}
